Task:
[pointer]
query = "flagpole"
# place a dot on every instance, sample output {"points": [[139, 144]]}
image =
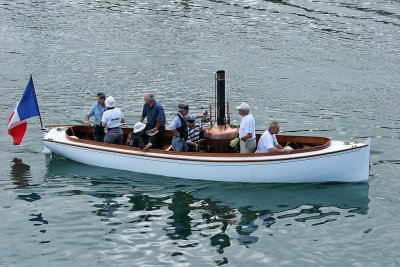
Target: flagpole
{"points": [[37, 105]]}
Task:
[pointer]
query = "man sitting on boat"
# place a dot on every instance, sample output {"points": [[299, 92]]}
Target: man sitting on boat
{"points": [[268, 142], [138, 137], [247, 130], [97, 111], [111, 121], [154, 112], [194, 132], [179, 128]]}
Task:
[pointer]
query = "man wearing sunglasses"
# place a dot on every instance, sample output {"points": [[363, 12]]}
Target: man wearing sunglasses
{"points": [[97, 111]]}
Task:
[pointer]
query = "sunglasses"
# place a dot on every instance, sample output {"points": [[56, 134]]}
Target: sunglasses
{"points": [[102, 97]]}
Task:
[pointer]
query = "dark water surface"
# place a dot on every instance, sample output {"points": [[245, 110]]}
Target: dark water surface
{"points": [[326, 68]]}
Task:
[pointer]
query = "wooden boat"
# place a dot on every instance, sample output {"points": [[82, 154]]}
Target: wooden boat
{"points": [[313, 160]]}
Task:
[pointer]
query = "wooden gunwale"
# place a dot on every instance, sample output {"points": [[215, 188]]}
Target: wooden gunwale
{"points": [[208, 157], [322, 142]]}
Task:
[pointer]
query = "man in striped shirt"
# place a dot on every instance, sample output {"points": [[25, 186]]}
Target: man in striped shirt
{"points": [[194, 132]]}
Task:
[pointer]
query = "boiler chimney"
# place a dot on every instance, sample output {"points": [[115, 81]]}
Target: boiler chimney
{"points": [[218, 136], [220, 77]]}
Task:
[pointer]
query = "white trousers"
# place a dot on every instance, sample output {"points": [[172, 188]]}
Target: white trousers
{"points": [[248, 146]]}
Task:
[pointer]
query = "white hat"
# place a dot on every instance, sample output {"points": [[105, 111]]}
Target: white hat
{"points": [[110, 102], [139, 126], [244, 106]]}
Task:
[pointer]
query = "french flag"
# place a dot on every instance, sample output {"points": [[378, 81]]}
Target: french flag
{"points": [[26, 108]]}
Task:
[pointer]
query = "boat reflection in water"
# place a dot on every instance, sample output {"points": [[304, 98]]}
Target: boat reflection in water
{"points": [[20, 177], [20, 173], [254, 206], [188, 211]]}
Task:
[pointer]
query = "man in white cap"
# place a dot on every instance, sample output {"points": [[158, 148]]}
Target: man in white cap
{"points": [[111, 120], [247, 130]]}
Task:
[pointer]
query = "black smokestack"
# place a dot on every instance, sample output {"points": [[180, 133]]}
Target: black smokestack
{"points": [[220, 97]]}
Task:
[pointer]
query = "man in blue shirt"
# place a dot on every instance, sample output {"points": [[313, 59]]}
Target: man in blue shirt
{"points": [[154, 112], [97, 111]]}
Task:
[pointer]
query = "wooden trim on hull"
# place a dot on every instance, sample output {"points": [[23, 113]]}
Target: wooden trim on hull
{"points": [[201, 154], [318, 143]]}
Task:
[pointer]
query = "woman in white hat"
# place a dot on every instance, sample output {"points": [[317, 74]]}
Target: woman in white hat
{"points": [[139, 138], [111, 121]]}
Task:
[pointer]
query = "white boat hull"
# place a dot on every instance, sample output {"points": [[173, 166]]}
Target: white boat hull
{"points": [[338, 163]]}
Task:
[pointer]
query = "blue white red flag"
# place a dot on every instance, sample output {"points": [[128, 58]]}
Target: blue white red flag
{"points": [[26, 108]]}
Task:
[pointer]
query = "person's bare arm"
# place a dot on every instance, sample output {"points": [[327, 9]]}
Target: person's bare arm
{"points": [[148, 146], [192, 144], [247, 136], [87, 123], [155, 129]]}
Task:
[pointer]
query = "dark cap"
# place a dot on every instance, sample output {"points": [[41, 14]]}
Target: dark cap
{"points": [[101, 94], [191, 121], [183, 106]]}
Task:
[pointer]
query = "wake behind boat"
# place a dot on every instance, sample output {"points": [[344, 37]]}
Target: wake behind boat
{"points": [[313, 160]]}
